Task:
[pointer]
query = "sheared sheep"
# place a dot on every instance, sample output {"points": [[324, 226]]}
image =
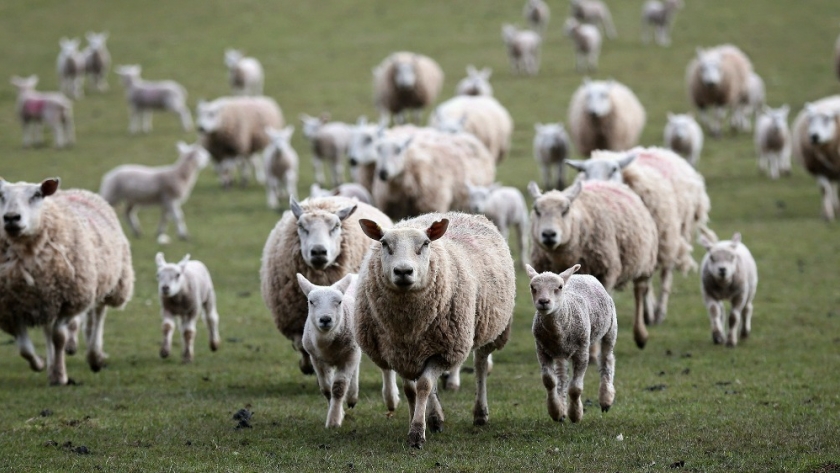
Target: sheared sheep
{"points": [[245, 74], [773, 141], [71, 68], [433, 289], [594, 12], [330, 142], [34, 109], [477, 82], [281, 166], [718, 79], [587, 43], [551, 148], [351, 190], [523, 48], [482, 116], [537, 14], [505, 207], [657, 18], [605, 115], [816, 145], [144, 97], [62, 254], [405, 82], [684, 136], [97, 60]]}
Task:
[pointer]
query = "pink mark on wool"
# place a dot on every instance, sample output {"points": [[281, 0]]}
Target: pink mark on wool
{"points": [[33, 108], [618, 196], [654, 161]]}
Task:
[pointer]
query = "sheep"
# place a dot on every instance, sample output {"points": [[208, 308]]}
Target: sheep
{"points": [[245, 74], [684, 136], [594, 12], [505, 207], [603, 226], [431, 290], [756, 97], [166, 186], [363, 154], [186, 291], [816, 145], [477, 82], [405, 82], [717, 79], [537, 14], [97, 60], [427, 172], [232, 129], [551, 148], [281, 166], [657, 18], [62, 254], [605, 115], [773, 141], [482, 116], [71, 68], [350, 190], [34, 109], [587, 43], [321, 239], [523, 47], [574, 313], [144, 97], [728, 273], [330, 142]]}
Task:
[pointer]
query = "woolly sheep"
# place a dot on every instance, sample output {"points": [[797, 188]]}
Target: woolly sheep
{"points": [[603, 226], [574, 312], [62, 254], [605, 115], [361, 154], [717, 79], [551, 148], [232, 129], [405, 82], [537, 14], [505, 207], [816, 145], [684, 136], [594, 12], [523, 47], [657, 18], [477, 82], [71, 68], [587, 43], [410, 318], [144, 97], [281, 166], [330, 142], [350, 190], [482, 116], [321, 239], [97, 60], [245, 74], [728, 272], [773, 141], [34, 109], [186, 291], [166, 186]]}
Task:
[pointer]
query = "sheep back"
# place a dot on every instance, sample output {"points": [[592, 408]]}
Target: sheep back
{"points": [[242, 128], [486, 118], [619, 130], [823, 160], [386, 96]]}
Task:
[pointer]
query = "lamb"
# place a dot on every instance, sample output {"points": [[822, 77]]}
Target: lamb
{"points": [[350, 190], [482, 116], [71, 68], [405, 82], [574, 313], [816, 145], [477, 82], [321, 239], [657, 18], [594, 12], [537, 14], [773, 141], [551, 148], [97, 60], [62, 254], [232, 129], [505, 207], [281, 166], [410, 318], [684, 136], [605, 115], [166, 186], [186, 290], [728, 273], [718, 79], [523, 47], [34, 109], [330, 142], [363, 154], [245, 74], [587, 43], [144, 97], [603, 226]]}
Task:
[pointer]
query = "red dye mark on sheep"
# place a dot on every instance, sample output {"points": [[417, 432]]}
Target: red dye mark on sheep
{"points": [[618, 195], [661, 165], [32, 108]]}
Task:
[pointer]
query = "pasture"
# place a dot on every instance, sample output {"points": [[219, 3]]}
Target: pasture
{"points": [[771, 404]]}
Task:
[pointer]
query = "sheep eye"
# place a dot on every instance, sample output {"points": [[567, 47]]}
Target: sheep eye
{"points": [[533, 289], [367, 140], [335, 228], [537, 211], [36, 195], [303, 229], [565, 211]]}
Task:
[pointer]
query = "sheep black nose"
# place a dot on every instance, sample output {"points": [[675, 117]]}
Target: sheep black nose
{"points": [[325, 320], [353, 162], [318, 250], [722, 272], [165, 289], [543, 301], [383, 175], [403, 272], [815, 139], [11, 218], [549, 234]]}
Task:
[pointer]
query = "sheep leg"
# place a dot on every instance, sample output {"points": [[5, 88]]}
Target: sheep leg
{"points": [[188, 335], [211, 318], [353, 388], [186, 118], [389, 390], [73, 326], [666, 277], [640, 335], [291, 183], [521, 238], [305, 362], [27, 134], [746, 320], [27, 350], [165, 214], [434, 412], [483, 365], [555, 397], [168, 328], [828, 199], [715, 309], [606, 367], [650, 303], [39, 133], [58, 133], [580, 361], [835, 198], [339, 389], [424, 387], [646, 32], [323, 373], [410, 390], [774, 166], [453, 380], [95, 328], [57, 337], [69, 129], [49, 346], [178, 214], [561, 176], [256, 162], [131, 217], [738, 304], [546, 173], [318, 167], [133, 120]]}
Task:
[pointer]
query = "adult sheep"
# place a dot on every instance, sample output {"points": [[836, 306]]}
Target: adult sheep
{"points": [[245, 74], [605, 115], [62, 254], [717, 80], [362, 153], [403, 82], [433, 289], [482, 116], [321, 239], [816, 145]]}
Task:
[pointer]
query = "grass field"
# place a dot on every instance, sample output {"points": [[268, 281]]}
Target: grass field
{"points": [[771, 404]]}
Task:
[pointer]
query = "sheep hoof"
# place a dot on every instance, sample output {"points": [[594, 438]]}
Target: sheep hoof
{"points": [[416, 439], [480, 416], [351, 404], [717, 338], [96, 362], [164, 353], [306, 366], [605, 408], [70, 349], [435, 424], [214, 345], [641, 344]]}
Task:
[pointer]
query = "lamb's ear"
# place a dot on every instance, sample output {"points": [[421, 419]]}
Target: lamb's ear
{"points": [[532, 273], [371, 229], [437, 229], [565, 275], [184, 261], [295, 206], [705, 242], [50, 185], [346, 212], [304, 284], [736, 238], [183, 148], [304, 118], [580, 165], [486, 73], [159, 259], [342, 284], [785, 109], [534, 190], [573, 192], [324, 117], [627, 159]]}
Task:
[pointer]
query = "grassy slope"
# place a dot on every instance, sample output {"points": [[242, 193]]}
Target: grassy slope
{"points": [[770, 404]]}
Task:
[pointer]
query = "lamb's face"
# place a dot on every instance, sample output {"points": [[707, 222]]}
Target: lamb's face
{"points": [[325, 310], [778, 117], [310, 126], [96, 40], [722, 262], [822, 126], [170, 279], [232, 57], [598, 103], [20, 206], [601, 169], [478, 198], [390, 161], [25, 84], [320, 235], [549, 136], [362, 150], [476, 82], [508, 33], [546, 289], [710, 73], [405, 77], [549, 225], [405, 256], [208, 117], [679, 126], [69, 46]]}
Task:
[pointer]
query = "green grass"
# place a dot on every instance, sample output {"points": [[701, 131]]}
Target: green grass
{"points": [[769, 405]]}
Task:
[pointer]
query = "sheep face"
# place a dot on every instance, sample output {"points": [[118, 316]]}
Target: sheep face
{"points": [[69, 47], [390, 162], [170, 276], [570, 26], [508, 33], [478, 198], [679, 126], [20, 206], [598, 103], [311, 125], [550, 216], [128, 74], [405, 77], [208, 116], [96, 41], [325, 310], [709, 66], [606, 167], [549, 136], [721, 262], [281, 139], [362, 149], [547, 288], [194, 152], [232, 57], [822, 125], [320, 234]]}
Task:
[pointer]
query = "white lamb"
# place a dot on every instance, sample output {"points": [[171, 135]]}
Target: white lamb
{"points": [[168, 187], [594, 12], [477, 82], [34, 109], [551, 148], [728, 272], [523, 48], [717, 80], [537, 14], [684, 136], [144, 97], [773, 141], [186, 291], [605, 115], [281, 166], [505, 207], [482, 116], [245, 74], [71, 68], [330, 142], [587, 43], [405, 82], [816, 144], [97, 60], [657, 18], [574, 313], [350, 190]]}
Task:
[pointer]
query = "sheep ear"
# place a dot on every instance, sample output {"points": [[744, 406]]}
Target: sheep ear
{"points": [[325, 117], [361, 121], [184, 260], [705, 242], [304, 284], [49, 186], [573, 192], [371, 229], [670, 116], [700, 52], [532, 273], [437, 229], [565, 275], [627, 160], [183, 148], [736, 238], [159, 260], [346, 212], [534, 190], [486, 73], [576, 164], [342, 284], [295, 206], [405, 144], [785, 109]]}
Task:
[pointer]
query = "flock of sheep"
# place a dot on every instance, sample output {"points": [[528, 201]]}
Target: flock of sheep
{"points": [[417, 296]]}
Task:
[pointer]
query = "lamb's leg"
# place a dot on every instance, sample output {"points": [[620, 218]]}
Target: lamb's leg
{"points": [[353, 388], [186, 118], [133, 120], [27, 135], [390, 394], [341, 383], [168, 328], [49, 346], [131, 218], [774, 165], [453, 380], [828, 199], [73, 326], [69, 129], [666, 276], [650, 304], [95, 329], [424, 387], [738, 305], [188, 324], [178, 214], [554, 401], [410, 391], [835, 198], [165, 214], [211, 318], [522, 240], [324, 375], [606, 366], [271, 193], [291, 179], [561, 176], [57, 337], [640, 335], [434, 411], [305, 362], [58, 133], [27, 350], [580, 361], [256, 162], [483, 365], [715, 309]]}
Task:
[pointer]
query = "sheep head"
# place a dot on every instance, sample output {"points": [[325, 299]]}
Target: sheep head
{"points": [[325, 308], [603, 165], [550, 215], [208, 116], [170, 276], [822, 125], [547, 288], [362, 149], [390, 161], [21, 204], [598, 101], [721, 261], [320, 233]]}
